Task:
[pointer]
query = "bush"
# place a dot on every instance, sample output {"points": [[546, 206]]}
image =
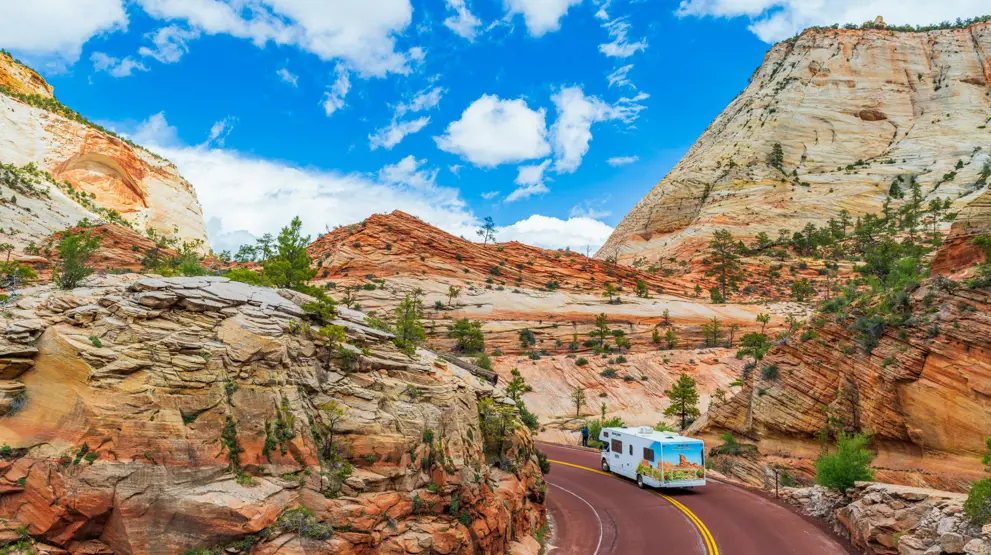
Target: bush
{"points": [[978, 504], [850, 464], [770, 372], [581, 361], [731, 446], [75, 252], [545, 465], [608, 373]]}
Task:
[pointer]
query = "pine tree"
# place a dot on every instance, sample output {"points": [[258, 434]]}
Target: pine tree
{"points": [[684, 400], [725, 262], [579, 400], [601, 329], [289, 265], [409, 325]]}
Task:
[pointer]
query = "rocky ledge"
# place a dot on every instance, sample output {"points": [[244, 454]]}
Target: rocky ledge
{"points": [[885, 519], [145, 415]]}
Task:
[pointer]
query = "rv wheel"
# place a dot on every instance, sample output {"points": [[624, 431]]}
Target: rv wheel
{"points": [[605, 466], [640, 482]]}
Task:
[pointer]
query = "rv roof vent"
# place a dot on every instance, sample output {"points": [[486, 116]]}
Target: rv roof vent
{"points": [[646, 430]]}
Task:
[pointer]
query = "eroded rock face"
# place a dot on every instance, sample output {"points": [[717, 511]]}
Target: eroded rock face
{"points": [[851, 109], [924, 392], [146, 189], [160, 415], [884, 519]]}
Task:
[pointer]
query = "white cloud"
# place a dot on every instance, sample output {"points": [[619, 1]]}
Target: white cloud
{"points": [[627, 109], [619, 77], [115, 66], [492, 131], [57, 27], [455, 169], [395, 132], [531, 182], [392, 134], [220, 130], [554, 233], [774, 20], [245, 196], [620, 47], [363, 34], [622, 160], [585, 210], [423, 100], [572, 131], [288, 77], [489, 195], [333, 100], [463, 22], [170, 43], [541, 16]]}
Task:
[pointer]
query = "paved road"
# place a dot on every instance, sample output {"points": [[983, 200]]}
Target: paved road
{"points": [[596, 514]]}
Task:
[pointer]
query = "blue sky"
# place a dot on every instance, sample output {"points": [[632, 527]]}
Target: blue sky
{"points": [[552, 116]]}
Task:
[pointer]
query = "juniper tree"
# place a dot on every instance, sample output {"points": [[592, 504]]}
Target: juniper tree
{"points": [[725, 262], [684, 400]]}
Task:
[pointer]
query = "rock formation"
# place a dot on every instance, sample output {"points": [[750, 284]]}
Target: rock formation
{"points": [[851, 111], [81, 170], [161, 415], [883, 519], [924, 392]]}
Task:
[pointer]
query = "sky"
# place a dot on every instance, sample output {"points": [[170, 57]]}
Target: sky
{"points": [[554, 117]]}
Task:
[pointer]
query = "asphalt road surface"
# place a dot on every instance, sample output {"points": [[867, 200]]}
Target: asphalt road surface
{"points": [[599, 514]]}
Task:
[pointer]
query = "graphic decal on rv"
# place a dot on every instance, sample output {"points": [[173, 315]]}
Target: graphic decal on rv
{"points": [[672, 462]]}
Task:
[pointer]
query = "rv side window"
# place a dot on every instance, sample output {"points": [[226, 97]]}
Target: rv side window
{"points": [[648, 454], [605, 434], [631, 449], [617, 446]]}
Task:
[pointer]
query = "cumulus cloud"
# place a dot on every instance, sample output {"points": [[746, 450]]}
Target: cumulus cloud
{"points": [[493, 131], [244, 197], [463, 22], [572, 130], [362, 34], [424, 100], [116, 67], [333, 100], [530, 180], [620, 47], [774, 20], [58, 28], [622, 160], [170, 43], [555, 233], [288, 77], [541, 16]]}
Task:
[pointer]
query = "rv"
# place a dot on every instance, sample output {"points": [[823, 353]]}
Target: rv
{"points": [[652, 458]]}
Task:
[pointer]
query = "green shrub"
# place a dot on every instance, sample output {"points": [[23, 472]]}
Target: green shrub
{"points": [[770, 372], [545, 465], [608, 373], [75, 252], [850, 464], [581, 361], [977, 507]]}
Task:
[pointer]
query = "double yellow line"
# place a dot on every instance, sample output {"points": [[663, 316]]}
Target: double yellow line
{"points": [[710, 542]]}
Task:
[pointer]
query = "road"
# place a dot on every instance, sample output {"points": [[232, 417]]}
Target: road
{"points": [[597, 514]]}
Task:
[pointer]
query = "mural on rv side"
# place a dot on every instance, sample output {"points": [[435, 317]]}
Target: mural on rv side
{"points": [[681, 461]]}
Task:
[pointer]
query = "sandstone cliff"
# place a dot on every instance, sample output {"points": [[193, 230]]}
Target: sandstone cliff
{"points": [[852, 110], [161, 415], [924, 392], [95, 168]]}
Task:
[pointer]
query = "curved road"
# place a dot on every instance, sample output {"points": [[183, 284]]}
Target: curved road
{"points": [[597, 514]]}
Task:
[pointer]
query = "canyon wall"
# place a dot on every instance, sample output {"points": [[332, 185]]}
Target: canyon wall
{"points": [[852, 110], [99, 167], [164, 415]]}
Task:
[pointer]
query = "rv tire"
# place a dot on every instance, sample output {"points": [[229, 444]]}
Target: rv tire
{"points": [[605, 466], [640, 483]]}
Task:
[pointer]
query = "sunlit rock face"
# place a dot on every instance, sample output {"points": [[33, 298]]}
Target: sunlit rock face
{"points": [[163, 415], [145, 188], [852, 110]]}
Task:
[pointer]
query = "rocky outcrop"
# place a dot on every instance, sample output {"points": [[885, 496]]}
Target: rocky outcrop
{"points": [[162, 415], [884, 519], [924, 392], [633, 391], [93, 165], [851, 110]]}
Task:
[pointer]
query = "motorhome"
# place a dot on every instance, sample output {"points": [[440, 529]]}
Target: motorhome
{"points": [[652, 458]]}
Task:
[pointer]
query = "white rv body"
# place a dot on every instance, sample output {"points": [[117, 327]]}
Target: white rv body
{"points": [[652, 458]]}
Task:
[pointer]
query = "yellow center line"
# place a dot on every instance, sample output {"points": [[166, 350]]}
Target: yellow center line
{"points": [[710, 542]]}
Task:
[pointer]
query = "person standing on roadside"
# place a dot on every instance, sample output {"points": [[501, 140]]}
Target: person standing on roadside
{"points": [[584, 435]]}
